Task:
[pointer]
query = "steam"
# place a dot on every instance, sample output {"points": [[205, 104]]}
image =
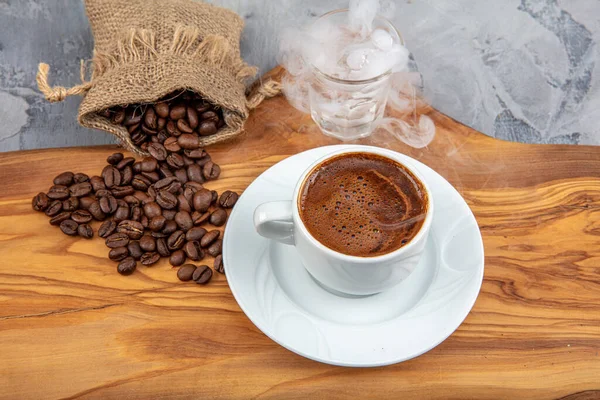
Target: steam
{"points": [[352, 46]]}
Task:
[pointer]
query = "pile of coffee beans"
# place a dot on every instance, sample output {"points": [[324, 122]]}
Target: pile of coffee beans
{"points": [[152, 208], [179, 115]]}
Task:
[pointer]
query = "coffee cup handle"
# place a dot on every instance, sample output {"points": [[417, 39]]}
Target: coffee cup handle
{"points": [[273, 220]]}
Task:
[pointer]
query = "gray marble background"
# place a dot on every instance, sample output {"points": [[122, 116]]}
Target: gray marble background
{"points": [[521, 70]]}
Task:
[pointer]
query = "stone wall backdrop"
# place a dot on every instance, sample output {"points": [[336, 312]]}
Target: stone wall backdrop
{"points": [[521, 70]]}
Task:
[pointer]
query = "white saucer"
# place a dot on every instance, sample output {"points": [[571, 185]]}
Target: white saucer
{"points": [[282, 299]]}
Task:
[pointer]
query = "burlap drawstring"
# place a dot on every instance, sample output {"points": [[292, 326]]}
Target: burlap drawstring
{"points": [[59, 93]]}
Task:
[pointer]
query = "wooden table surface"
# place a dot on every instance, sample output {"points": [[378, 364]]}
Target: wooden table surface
{"points": [[71, 327]]}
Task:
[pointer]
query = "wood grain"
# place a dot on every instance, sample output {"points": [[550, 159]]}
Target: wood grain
{"points": [[71, 327]]}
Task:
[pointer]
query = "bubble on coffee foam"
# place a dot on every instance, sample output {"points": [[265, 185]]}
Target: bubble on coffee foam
{"points": [[353, 51]]}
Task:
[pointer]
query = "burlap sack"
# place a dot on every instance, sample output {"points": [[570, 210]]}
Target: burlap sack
{"points": [[145, 49]]}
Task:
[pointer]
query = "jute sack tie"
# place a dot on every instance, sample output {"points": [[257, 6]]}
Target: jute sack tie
{"points": [[146, 49]]}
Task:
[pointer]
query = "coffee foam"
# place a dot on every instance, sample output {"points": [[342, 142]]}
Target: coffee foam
{"points": [[362, 204]]}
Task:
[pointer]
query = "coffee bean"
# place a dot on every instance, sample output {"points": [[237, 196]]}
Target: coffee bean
{"points": [[207, 128], [172, 145], [162, 109], [228, 199], [157, 151], [177, 258], [159, 235], [80, 189], [118, 239], [80, 177], [133, 229], [211, 171], [192, 116], [210, 116], [150, 118], [201, 106], [162, 248], [85, 231], [151, 176], [188, 141], [118, 253], [170, 184], [184, 220], [96, 212], [194, 173], [152, 209], [157, 223], [118, 118], [193, 251], [202, 274], [126, 175], [183, 204], [134, 249], [201, 200], [186, 272], [218, 217], [172, 129], [187, 161], [162, 134], [176, 240], [85, 202], [218, 264], [122, 214], [215, 196], [127, 161], [64, 179], [115, 158], [132, 117], [97, 183], [111, 176], [108, 204], [127, 266], [54, 208], [181, 175], [140, 182], [121, 191], [149, 164], [209, 238], [197, 154], [40, 202], [177, 112], [166, 200], [170, 226], [148, 243], [69, 227], [58, 192], [216, 248], [195, 233], [175, 161], [200, 218], [71, 204], [188, 193], [81, 216], [184, 127], [107, 228], [165, 171], [150, 258], [59, 218]]}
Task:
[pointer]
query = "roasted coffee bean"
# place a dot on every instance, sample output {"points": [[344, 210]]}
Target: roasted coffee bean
{"points": [[125, 162], [183, 204], [58, 192], [96, 212], [228, 199], [133, 229], [178, 111], [175, 161], [192, 116], [126, 175], [107, 228], [183, 126], [150, 118], [200, 217], [108, 204], [97, 183], [184, 220], [122, 214], [181, 175], [196, 154], [176, 240], [111, 176], [172, 129], [149, 164], [118, 253], [188, 193], [105, 113], [218, 217], [215, 248], [170, 227], [157, 151], [132, 117], [153, 176], [162, 134], [121, 191], [54, 208], [211, 171], [71, 204], [202, 161], [69, 227], [147, 243], [134, 249], [86, 202], [169, 214], [202, 274], [218, 264], [166, 200], [156, 224], [115, 158], [152, 209], [194, 173], [140, 182], [80, 189], [202, 200], [215, 196], [209, 238], [127, 266], [158, 235], [118, 239], [188, 141], [210, 116], [40, 202], [103, 193], [177, 258], [207, 128], [162, 248], [172, 145], [135, 213], [81, 216], [150, 258], [142, 197], [187, 161], [60, 217], [136, 167], [193, 251], [186, 272], [138, 137], [118, 117], [80, 177], [201, 106], [195, 233], [165, 171], [162, 109], [170, 184], [64, 179], [85, 231]]}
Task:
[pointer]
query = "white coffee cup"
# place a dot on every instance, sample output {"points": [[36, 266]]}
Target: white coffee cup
{"points": [[338, 272]]}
